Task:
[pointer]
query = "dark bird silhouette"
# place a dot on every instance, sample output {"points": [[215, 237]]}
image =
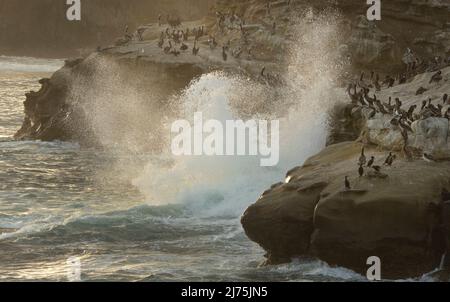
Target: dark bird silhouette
{"points": [[168, 48], [184, 47], [362, 158], [388, 159], [195, 49], [377, 168], [437, 77], [411, 111], [224, 54], [421, 90], [428, 158], [361, 171], [444, 99], [424, 104], [347, 184], [371, 161]]}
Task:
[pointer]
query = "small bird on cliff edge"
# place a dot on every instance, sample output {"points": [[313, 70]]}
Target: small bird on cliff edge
{"points": [[347, 183]]}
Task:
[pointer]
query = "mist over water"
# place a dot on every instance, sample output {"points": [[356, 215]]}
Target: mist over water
{"points": [[301, 106], [133, 211]]}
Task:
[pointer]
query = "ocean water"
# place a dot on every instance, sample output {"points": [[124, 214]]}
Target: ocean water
{"points": [[59, 201]]}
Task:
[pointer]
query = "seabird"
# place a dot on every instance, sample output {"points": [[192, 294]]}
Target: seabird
{"points": [[362, 158], [224, 54], [411, 111], [168, 48], [428, 158], [388, 159], [377, 168], [437, 77], [424, 104], [404, 133], [184, 47], [405, 126], [444, 99], [347, 183], [195, 49], [421, 90], [371, 161], [361, 171]]}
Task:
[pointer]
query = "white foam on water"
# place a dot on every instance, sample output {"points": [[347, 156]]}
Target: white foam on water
{"points": [[221, 185]]}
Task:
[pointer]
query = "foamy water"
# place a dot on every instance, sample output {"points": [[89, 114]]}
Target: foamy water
{"points": [[133, 215]]}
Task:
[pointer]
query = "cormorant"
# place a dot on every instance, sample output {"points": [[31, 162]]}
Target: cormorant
{"points": [[371, 161], [184, 47], [195, 49], [347, 183], [437, 77], [362, 158], [224, 54], [428, 158], [168, 48]]}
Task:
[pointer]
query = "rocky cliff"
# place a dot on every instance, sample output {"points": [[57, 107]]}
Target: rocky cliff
{"points": [[40, 28], [389, 211]]}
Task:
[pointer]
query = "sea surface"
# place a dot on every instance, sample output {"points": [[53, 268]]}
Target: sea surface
{"points": [[61, 204]]}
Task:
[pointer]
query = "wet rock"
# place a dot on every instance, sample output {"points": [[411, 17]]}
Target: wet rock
{"points": [[385, 214]]}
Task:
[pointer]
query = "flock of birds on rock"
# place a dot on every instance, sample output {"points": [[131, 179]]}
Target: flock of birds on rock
{"points": [[176, 39], [401, 118]]}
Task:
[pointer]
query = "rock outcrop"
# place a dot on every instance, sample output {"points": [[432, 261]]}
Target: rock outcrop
{"points": [[385, 215], [388, 212], [40, 28]]}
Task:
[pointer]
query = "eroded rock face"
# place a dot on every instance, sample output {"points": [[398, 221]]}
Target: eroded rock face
{"points": [[313, 214], [66, 105]]}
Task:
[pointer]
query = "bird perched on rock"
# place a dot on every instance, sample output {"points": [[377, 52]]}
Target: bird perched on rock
{"points": [[437, 77], [195, 49], [347, 183], [445, 99], [420, 91], [224, 54], [184, 47], [424, 104], [371, 161], [262, 71], [428, 158], [168, 48], [377, 168], [411, 111], [361, 171], [388, 159], [362, 158]]}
